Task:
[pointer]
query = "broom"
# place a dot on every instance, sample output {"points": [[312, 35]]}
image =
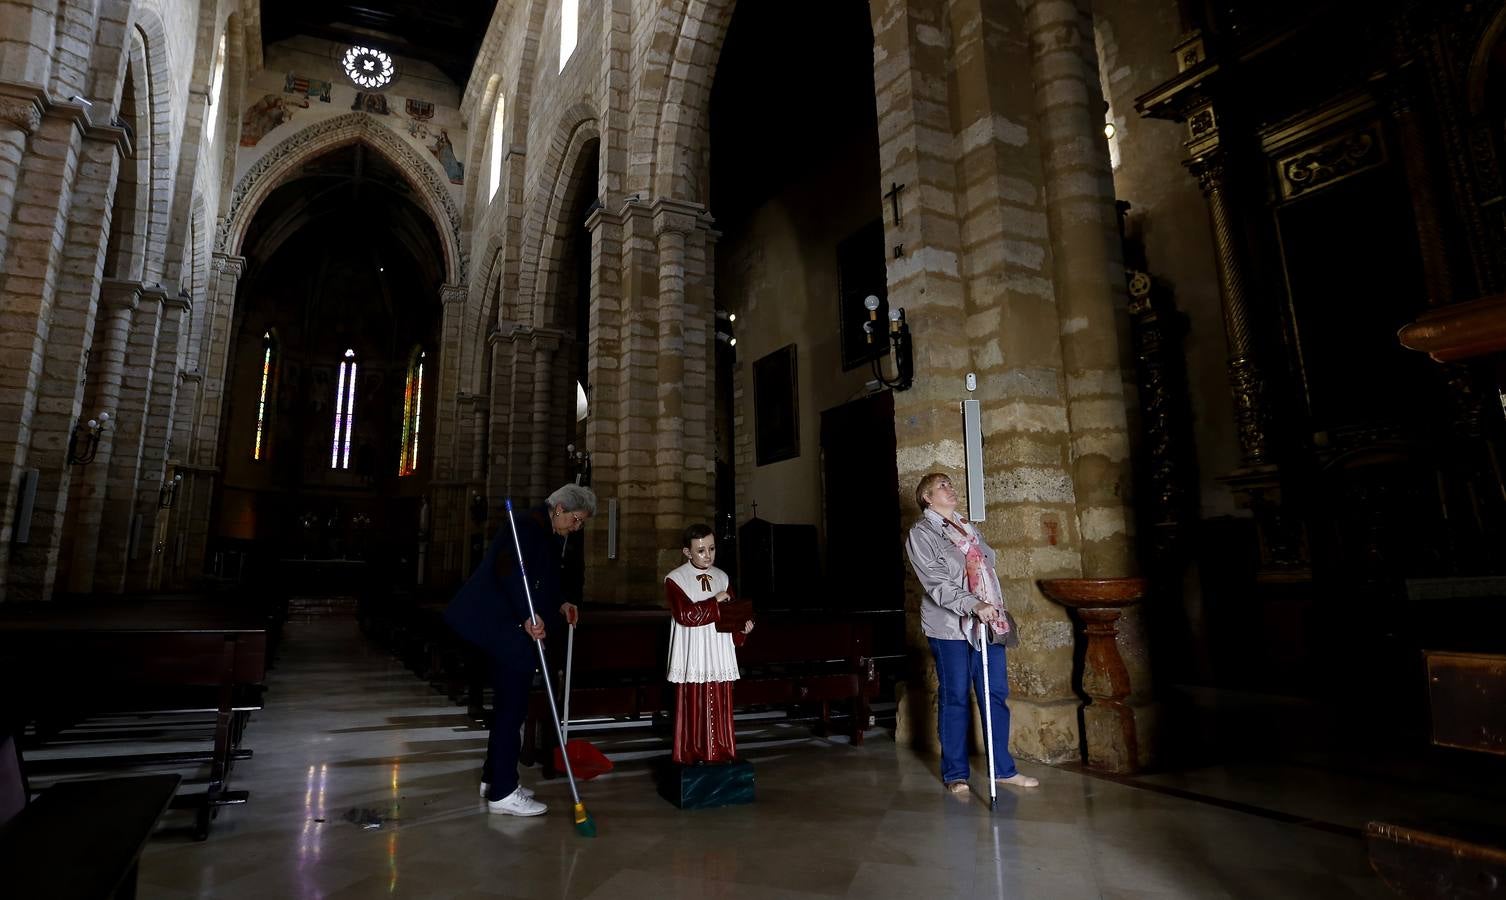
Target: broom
{"points": [[585, 826], [585, 760]]}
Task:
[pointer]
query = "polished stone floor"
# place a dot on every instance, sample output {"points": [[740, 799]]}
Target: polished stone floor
{"points": [[364, 780]]}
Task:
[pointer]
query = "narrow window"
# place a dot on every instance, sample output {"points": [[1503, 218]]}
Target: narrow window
{"points": [[263, 426], [218, 78], [569, 18], [413, 404], [345, 412], [497, 144]]}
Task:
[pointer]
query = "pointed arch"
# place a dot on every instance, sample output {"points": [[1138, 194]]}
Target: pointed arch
{"points": [[287, 158], [683, 122]]}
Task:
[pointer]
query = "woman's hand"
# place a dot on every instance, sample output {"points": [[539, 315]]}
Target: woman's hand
{"points": [[985, 611], [570, 612], [535, 628]]}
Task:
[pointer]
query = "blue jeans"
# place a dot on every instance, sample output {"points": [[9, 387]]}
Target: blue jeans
{"points": [[957, 663]]}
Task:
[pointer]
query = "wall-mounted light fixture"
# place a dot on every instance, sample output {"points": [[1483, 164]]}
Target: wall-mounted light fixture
{"points": [[83, 443], [724, 322], [167, 495], [899, 345], [580, 460]]}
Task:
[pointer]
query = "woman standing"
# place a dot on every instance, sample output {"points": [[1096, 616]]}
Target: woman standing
{"points": [[962, 601], [491, 611]]}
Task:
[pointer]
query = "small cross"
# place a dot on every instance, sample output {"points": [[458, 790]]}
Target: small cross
{"points": [[893, 195], [755, 505]]}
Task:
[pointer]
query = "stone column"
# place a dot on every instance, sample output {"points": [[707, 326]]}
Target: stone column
{"points": [[203, 455], [447, 391], [606, 368], [29, 272], [1246, 380], [121, 532], [544, 445], [118, 303], [672, 224], [69, 334], [144, 571], [20, 116], [1088, 272], [1089, 277]]}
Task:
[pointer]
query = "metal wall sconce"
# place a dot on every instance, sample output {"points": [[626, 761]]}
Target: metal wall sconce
{"points": [[899, 345], [724, 322], [581, 460], [167, 495], [83, 443]]}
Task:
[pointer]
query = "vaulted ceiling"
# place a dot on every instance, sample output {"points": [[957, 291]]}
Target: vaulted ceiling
{"points": [[446, 33]]}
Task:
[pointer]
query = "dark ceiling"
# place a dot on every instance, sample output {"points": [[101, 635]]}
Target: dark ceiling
{"points": [[446, 33]]}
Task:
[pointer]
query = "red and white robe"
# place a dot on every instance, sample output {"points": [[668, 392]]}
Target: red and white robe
{"points": [[702, 666]]}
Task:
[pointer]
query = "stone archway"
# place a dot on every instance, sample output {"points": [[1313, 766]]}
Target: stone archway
{"points": [[284, 160]]}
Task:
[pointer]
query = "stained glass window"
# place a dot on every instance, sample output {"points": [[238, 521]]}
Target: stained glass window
{"points": [[263, 408], [413, 403], [345, 412]]}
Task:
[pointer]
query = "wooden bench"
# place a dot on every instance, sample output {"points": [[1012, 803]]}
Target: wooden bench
{"points": [[78, 839], [791, 659], [77, 661]]}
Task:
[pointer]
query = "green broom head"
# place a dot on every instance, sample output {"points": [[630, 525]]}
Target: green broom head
{"points": [[585, 826]]}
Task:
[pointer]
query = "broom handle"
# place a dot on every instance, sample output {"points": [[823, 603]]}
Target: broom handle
{"points": [[539, 642], [569, 669], [987, 701]]}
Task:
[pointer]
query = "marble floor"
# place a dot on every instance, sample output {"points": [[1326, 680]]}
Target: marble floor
{"points": [[364, 781]]}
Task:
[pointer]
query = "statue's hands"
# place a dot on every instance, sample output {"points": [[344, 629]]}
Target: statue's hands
{"points": [[571, 613], [535, 628], [723, 597], [748, 628]]}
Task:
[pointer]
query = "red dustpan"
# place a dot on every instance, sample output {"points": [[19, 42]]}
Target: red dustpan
{"points": [[585, 760]]}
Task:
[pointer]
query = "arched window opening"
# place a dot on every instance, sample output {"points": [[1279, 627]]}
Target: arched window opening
{"points": [[217, 80], [569, 19], [413, 402], [263, 446], [345, 412], [498, 120]]}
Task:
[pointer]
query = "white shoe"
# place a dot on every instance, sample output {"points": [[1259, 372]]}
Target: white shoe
{"points": [[515, 804], [522, 790]]}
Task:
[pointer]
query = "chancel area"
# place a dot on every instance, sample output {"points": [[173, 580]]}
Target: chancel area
{"points": [[1154, 350]]}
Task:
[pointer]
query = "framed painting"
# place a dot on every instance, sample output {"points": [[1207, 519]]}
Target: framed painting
{"points": [[776, 408]]}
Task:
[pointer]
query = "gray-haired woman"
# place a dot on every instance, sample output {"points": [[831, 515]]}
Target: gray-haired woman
{"points": [[491, 611], [963, 601]]}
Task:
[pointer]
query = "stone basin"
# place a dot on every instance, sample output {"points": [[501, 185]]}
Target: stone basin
{"points": [[1095, 593]]}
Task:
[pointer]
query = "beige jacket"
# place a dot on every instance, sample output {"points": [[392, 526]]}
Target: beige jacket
{"points": [[947, 607]]}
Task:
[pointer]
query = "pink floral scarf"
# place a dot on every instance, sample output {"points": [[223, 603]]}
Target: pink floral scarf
{"points": [[981, 580]]}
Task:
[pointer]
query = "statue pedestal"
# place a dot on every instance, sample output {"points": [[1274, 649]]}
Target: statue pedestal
{"points": [[1118, 733], [705, 786]]}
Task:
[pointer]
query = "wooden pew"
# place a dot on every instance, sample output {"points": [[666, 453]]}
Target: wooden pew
{"points": [[790, 659], [66, 662], [78, 839]]}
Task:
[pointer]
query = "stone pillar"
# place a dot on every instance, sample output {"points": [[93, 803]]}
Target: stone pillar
{"points": [[606, 369], [446, 419], [118, 303], [20, 116], [121, 532], [499, 422], [1246, 380], [1090, 287], [1088, 272], [544, 445], [672, 225], [69, 334], [203, 454], [33, 257], [144, 571]]}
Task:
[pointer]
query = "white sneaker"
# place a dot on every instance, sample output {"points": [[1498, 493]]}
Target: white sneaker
{"points": [[522, 790], [515, 804]]}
